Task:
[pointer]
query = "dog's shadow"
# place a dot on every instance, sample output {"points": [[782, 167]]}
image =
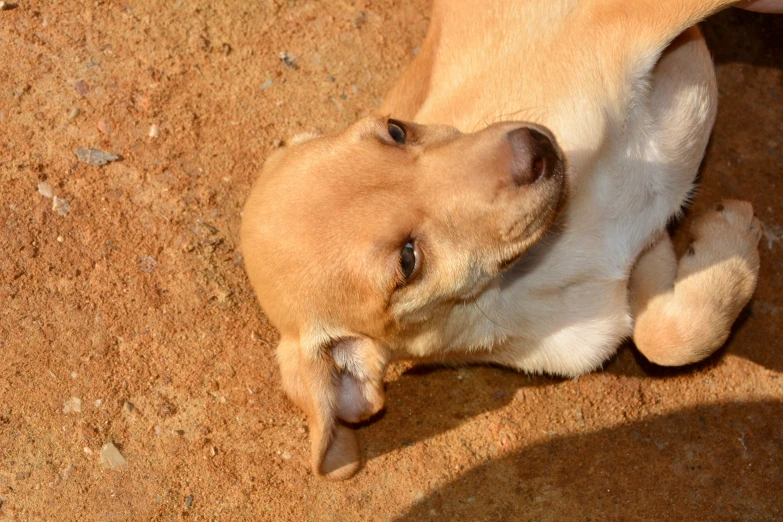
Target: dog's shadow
{"points": [[711, 462], [427, 400], [738, 36]]}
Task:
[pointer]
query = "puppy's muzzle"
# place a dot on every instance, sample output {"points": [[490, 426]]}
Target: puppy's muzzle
{"points": [[534, 156]]}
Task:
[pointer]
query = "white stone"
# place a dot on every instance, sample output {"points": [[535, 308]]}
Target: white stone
{"points": [[45, 190], [72, 405], [111, 456]]}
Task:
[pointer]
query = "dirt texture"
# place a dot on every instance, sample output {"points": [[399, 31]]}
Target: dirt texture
{"points": [[137, 373]]}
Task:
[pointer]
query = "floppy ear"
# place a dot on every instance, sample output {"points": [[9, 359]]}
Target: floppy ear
{"points": [[339, 381]]}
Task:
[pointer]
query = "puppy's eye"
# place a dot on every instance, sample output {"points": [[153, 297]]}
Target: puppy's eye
{"points": [[396, 131], [408, 260]]}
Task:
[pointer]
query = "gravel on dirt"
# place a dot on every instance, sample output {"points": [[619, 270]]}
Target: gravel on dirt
{"points": [[61, 205], [45, 190], [95, 156], [111, 456]]}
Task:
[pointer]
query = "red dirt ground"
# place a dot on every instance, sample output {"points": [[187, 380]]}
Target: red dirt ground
{"points": [[138, 294]]}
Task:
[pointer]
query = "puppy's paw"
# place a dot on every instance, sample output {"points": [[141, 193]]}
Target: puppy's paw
{"points": [[731, 232], [715, 279]]}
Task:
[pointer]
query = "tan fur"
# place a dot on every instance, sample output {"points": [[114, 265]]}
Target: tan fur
{"points": [[541, 276], [684, 311]]}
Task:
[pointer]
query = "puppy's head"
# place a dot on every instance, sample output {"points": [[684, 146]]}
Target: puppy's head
{"points": [[358, 242]]}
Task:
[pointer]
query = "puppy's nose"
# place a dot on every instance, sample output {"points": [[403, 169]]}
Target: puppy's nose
{"points": [[533, 156]]}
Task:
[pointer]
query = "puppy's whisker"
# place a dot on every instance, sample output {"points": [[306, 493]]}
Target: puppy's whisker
{"points": [[489, 120], [503, 116], [487, 317]]}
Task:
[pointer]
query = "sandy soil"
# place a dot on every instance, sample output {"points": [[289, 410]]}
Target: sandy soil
{"points": [[129, 319]]}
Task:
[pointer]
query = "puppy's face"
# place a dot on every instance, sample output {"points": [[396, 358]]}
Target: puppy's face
{"points": [[358, 242]]}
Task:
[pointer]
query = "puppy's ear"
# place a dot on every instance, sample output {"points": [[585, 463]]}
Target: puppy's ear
{"points": [[339, 381], [361, 366]]}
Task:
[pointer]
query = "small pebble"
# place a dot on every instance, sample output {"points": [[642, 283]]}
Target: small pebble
{"points": [[289, 60], [95, 156], [471, 500], [111, 456], [212, 451], [61, 205], [82, 88], [188, 501], [267, 84], [359, 19], [74, 375], [199, 43], [45, 190], [74, 113], [106, 126], [128, 407], [147, 264], [98, 403], [154, 131], [72, 405], [67, 472], [286, 455], [499, 394], [60, 239]]}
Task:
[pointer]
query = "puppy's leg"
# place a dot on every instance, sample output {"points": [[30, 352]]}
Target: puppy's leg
{"points": [[684, 310]]}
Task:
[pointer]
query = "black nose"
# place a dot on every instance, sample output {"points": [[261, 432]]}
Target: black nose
{"points": [[533, 156]]}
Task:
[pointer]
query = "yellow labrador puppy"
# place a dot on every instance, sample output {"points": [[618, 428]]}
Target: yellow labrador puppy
{"points": [[507, 205]]}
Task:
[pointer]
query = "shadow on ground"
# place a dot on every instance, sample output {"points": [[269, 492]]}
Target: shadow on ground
{"points": [[737, 36], [721, 462]]}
